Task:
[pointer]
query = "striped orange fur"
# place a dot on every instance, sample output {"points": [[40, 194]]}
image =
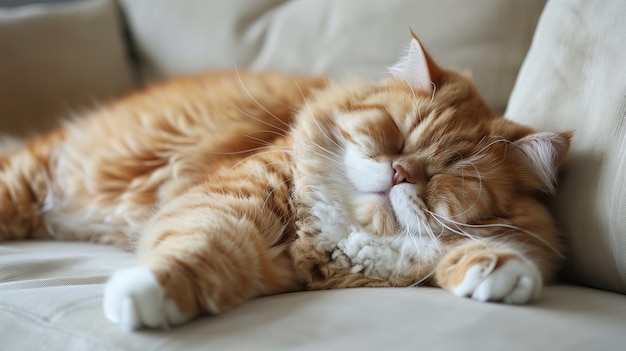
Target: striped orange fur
{"points": [[231, 185]]}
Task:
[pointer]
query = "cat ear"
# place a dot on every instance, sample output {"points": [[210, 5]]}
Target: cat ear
{"points": [[417, 68], [546, 152]]}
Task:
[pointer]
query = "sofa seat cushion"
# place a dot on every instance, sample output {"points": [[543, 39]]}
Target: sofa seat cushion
{"points": [[51, 295]]}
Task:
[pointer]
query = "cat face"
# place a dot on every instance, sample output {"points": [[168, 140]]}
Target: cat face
{"points": [[418, 153], [418, 166]]}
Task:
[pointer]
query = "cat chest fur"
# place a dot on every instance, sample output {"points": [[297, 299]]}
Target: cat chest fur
{"points": [[343, 248]]}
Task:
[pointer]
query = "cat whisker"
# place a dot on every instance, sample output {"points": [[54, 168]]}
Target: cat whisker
{"points": [[331, 140], [406, 235], [325, 152], [272, 192], [400, 262], [424, 278], [277, 133], [432, 96], [480, 187], [312, 115], [458, 231], [505, 226], [412, 92], [261, 141], [226, 153], [257, 102], [333, 160], [418, 110], [435, 241], [478, 155], [259, 120], [267, 150], [431, 235], [244, 180], [499, 139]]}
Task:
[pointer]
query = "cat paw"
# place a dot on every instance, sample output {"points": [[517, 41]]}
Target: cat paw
{"points": [[134, 299], [516, 281]]}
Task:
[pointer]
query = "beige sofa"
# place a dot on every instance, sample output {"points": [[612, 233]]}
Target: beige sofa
{"points": [[57, 59]]}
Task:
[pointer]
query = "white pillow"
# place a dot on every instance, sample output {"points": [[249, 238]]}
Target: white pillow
{"points": [[575, 78]]}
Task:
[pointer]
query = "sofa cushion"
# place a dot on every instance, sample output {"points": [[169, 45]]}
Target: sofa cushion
{"points": [[58, 58], [338, 38], [51, 297], [575, 78]]}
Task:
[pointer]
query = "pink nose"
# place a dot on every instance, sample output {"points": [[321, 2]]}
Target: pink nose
{"points": [[401, 175]]}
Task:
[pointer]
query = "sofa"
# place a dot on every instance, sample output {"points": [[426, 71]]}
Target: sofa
{"points": [[555, 66]]}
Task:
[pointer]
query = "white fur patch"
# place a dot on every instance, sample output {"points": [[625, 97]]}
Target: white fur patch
{"points": [[334, 224], [381, 257], [134, 299], [355, 248], [367, 175], [406, 204], [344, 197], [378, 257], [515, 282]]}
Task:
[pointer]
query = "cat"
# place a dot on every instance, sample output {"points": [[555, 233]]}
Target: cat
{"points": [[231, 185]]}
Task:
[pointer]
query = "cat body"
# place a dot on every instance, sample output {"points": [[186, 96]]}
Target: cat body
{"points": [[233, 185]]}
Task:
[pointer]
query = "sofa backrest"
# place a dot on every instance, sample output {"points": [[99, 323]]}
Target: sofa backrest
{"points": [[60, 58], [337, 38], [574, 77], [57, 59]]}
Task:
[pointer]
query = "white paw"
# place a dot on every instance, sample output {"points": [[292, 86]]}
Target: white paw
{"points": [[515, 282], [134, 299]]}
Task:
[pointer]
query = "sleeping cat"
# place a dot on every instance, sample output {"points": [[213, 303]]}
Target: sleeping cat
{"points": [[235, 185]]}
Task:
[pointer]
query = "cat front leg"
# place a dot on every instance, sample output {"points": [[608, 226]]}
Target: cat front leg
{"points": [[485, 273], [203, 253], [134, 298]]}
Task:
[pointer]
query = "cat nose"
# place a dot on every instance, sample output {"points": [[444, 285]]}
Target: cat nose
{"points": [[401, 175]]}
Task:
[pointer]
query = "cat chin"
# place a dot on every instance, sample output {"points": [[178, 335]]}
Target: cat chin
{"points": [[407, 207], [397, 209]]}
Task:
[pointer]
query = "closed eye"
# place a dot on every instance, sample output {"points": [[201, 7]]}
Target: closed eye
{"points": [[457, 157], [401, 149]]}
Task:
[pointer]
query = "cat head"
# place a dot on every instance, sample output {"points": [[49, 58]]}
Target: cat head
{"points": [[418, 152]]}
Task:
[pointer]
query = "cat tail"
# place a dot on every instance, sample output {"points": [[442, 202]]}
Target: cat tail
{"points": [[24, 184]]}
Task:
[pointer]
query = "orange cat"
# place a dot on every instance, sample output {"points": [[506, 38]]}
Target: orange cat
{"points": [[235, 185]]}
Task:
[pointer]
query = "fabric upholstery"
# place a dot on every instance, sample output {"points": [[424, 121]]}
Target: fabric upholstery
{"points": [[56, 59], [51, 295], [337, 38], [573, 79], [51, 292]]}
